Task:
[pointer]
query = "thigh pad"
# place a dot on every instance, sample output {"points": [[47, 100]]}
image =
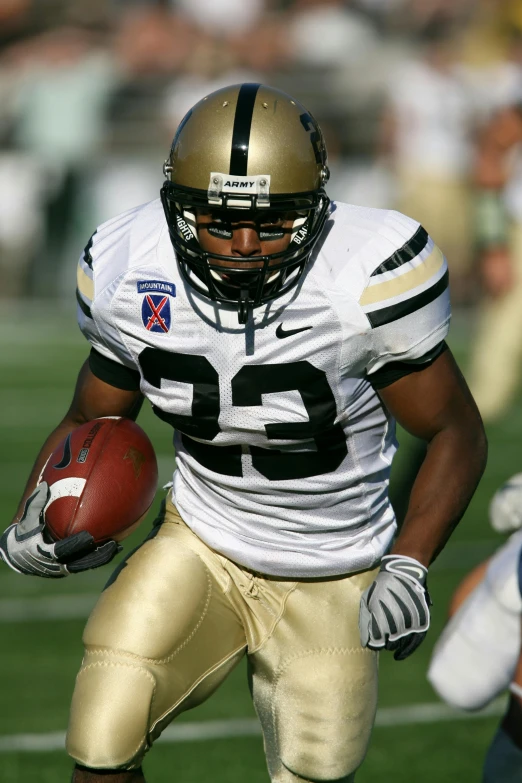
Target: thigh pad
{"points": [[161, 639]]}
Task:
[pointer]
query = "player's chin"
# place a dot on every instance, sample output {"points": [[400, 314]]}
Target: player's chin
{"points": [[243, 280]]}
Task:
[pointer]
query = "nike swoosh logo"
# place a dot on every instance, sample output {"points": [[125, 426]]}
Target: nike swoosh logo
{"points": [[412, 570], [280, 332], [408, 570], [66, 458]]}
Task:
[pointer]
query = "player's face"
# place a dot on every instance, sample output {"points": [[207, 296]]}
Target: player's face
{"points": [[244, 234]]}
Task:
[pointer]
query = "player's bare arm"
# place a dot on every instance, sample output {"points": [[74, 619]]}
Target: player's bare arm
{"points": [[24, 546], [498, 137], [92, 398], [436, 405], [433, 404]]}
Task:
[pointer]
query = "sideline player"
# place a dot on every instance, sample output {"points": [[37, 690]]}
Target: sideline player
{"points": [[479, 652], [280, 335]]}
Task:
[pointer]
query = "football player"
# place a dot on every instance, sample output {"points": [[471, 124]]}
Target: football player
{"points": [[280, 336], [479, 652]]}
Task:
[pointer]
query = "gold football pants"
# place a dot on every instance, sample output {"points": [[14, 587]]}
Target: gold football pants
{"points": [[174, 620]]}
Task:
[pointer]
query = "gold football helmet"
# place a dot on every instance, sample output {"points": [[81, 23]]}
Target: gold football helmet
{"points": [[246, 147]]}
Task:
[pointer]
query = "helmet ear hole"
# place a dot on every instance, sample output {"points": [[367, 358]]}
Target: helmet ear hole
{"points": [[325, 175], [167, 168]]}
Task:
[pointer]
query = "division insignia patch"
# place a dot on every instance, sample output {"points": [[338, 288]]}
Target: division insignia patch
{"points": [[155, 313]]}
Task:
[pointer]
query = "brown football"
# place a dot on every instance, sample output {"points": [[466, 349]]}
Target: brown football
{"points": [[103, 477]]}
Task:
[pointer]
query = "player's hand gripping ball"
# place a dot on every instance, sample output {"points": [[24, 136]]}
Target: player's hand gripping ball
{"points": [[102, 479]]}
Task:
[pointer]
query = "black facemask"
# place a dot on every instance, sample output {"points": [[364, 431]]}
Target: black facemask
{"points": [[247, 288]]}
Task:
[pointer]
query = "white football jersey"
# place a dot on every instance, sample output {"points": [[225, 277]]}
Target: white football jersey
{"points": [[283, 446]]}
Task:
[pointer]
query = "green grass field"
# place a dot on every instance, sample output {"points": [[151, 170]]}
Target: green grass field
{"points": [[40, 649]]}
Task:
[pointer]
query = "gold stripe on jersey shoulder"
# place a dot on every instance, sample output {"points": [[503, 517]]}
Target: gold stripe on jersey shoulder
{"points": [[85, 284], [406, 282]]}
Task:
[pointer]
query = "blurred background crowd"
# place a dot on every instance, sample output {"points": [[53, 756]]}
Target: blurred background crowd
{"points": [[91, 92]]}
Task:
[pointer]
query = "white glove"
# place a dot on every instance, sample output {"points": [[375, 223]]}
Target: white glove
{"points": [[394, 612], [27, 549]]}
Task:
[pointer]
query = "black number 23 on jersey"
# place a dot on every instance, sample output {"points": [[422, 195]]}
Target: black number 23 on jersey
{"points": [[248, 386]]}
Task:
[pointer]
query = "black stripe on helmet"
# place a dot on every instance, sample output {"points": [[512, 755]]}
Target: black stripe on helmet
{"points": [[241, 133]]}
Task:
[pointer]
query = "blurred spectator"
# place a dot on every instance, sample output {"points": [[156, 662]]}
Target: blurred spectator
{"points": [[14, 20], [66, 82], [427, 131], [152, 40], [488, 32], [60, 84], [153, 45], [355, 179], [21, 221], [427, 12], [191, 88], [326, 33], [265, 48], [226, 17], [86, 118], [496, 82], [497, 352]]}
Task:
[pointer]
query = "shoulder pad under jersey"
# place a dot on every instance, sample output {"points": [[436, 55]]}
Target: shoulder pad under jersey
{"points": [[115, 247]]}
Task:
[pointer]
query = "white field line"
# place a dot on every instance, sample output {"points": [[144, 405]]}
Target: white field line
{"points": [[48, 338], [249, 727], [54, 607]]}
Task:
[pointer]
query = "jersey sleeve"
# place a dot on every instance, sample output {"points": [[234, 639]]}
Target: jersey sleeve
{"points": [[85, 297], [406, 299], [100, 269], [113, 373]]}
